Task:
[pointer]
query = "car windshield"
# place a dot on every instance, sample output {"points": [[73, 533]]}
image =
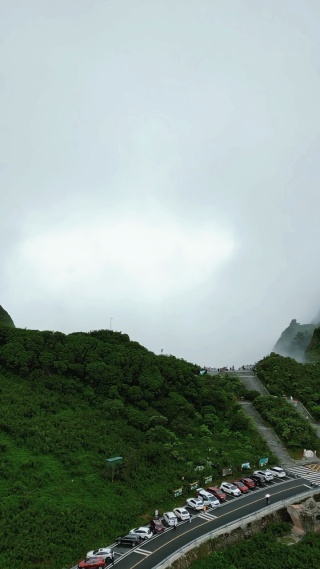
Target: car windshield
{"points": [[232, 487], [184, 512]]}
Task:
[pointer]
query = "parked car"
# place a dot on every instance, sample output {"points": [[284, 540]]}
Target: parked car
{"points": [[258, 479], [242, 487], [230, 489], [215, 491], [92, 563], [144, 531], [131, 539], [170, 519], [181, 513], [266, 473], [248, 482], [195, 503], [105, 552], [157, 526], [207, 498], [277, 471]]}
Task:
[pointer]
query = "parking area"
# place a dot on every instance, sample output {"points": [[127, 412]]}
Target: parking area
{"points": [[150, 545]]}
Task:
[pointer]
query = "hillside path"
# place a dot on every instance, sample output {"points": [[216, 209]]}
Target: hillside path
{"points": [[251, 381]]}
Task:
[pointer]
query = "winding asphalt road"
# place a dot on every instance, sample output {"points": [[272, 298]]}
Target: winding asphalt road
{"points": [[156, 549]]}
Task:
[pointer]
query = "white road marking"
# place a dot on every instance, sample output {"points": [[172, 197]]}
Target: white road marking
{"points": [[142, 551]]}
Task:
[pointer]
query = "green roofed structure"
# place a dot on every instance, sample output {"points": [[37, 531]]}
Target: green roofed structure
{"points": [[114, 460], [113, 463]]}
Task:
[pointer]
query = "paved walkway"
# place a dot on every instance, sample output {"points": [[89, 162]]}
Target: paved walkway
{"points": [[251, 381], [268, 434]]}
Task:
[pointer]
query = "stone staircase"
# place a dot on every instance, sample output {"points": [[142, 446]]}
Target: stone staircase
{"points": [[268, 434], [251, 381]]}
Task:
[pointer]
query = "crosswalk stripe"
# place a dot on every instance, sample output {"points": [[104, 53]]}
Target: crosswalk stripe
{"points": [[305, 472], [142, 551], [207, 517]]}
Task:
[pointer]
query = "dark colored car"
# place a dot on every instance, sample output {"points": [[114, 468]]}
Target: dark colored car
{"points": [[242, 487], [258, 479], [248, 482], [157, 526], [92, 563], [217, 493], [131, 539]]}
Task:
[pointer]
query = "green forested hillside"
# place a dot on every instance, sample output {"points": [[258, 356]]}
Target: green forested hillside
{"points": [[5, 318], [264, 550], [313, 349], [285, 376], [69, 402]]}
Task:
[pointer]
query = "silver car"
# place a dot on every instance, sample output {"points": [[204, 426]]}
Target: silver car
{"points": [[208, 499], [170, 519], [182, 514], [266, 473], [104, 552], [277, 471]]}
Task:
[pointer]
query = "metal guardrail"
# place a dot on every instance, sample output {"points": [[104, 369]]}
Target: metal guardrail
{"points": [[205, 537]]}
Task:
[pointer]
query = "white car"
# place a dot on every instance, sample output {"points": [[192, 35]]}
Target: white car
{"points": [[277, 471], [208, 499], [145, 532], [266, 473], [170, 519], [182, 514], [195, 503], [104, 552], [230, 489]]}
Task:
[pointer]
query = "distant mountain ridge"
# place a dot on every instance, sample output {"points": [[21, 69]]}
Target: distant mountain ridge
{"points": [[295, 339], [5, 318]]}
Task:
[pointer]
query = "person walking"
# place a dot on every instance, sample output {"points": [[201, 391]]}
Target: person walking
{"points": [[175, 525], [112, 557], [190, 519], [267, 499]]}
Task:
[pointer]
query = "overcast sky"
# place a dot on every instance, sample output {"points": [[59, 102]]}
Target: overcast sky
{"points": [[160, 166]]}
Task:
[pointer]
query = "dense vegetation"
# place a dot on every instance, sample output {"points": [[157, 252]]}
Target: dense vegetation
{"points": [[285, 376], [264, 550], [68, 403], [290, 426], [313, 349], [5, 318]]}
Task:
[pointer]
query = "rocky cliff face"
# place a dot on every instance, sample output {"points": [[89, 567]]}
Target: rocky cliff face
{"points": [[294, 340], [5, 318]]}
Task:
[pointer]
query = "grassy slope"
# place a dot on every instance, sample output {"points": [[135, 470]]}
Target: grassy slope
{"points": [[67, 403]]}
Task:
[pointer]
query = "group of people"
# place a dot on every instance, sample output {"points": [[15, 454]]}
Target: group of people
{"points": [[250, 367]]}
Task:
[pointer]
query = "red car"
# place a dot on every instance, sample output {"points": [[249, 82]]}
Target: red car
{"points": [[92, 563], [157, 526], [242, 487], [217, 493], [248, 482]]}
